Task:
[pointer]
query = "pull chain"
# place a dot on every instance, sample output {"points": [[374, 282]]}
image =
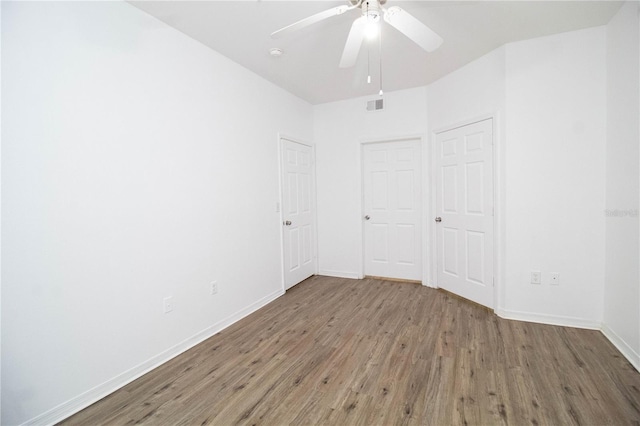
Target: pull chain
{"points": [[380, 55], [368, 63], [368, 53]]}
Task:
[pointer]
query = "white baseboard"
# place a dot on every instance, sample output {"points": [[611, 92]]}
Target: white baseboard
{"points": [[339, 274], [429, 283], [632, 356], [548, 319], [68, 408]]}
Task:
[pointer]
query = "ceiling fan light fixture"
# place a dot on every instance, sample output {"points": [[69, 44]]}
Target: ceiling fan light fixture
{"points": [[371, 15], [371, 30]]}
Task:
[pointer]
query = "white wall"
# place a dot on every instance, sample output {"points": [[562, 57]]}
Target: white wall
{"points": [[129, 161], [548, 98], [136, 164], [339, 129], [555, 177], [475, 90], [622, 279]]}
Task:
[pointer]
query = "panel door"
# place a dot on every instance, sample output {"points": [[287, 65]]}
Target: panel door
{"points": [[392, 206], [298, 212], [464, 202]]}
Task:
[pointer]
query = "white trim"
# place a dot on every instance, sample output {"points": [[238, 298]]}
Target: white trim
{"points": [[72, 406], [425, 190], [280, 217], [314, 203], [423, 205], [392, 138], [431, 209], [632, 356], [548, 319], [430, 284], [339, 274], [464, 123], [499, 209], [360, 229]]}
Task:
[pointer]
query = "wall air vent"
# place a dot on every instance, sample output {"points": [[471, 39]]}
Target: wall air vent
{"points": [[375, 105]]}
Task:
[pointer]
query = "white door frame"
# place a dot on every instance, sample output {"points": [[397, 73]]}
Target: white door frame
{"points": [[498, 205], [426, 251], [314, 203]]}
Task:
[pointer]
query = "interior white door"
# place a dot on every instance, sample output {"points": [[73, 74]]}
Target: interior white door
{"points": [[298, 201], [392, 206], [464, 211]]}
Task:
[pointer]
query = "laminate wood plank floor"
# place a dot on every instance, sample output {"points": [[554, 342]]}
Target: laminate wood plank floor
{"points": [[373, 352]]}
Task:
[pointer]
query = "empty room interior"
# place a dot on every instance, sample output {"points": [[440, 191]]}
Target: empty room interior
{"points": [[320, 212]]}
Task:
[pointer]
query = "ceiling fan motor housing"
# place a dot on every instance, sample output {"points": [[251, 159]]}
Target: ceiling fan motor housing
{"points": [[371, 10], [355, 2]]}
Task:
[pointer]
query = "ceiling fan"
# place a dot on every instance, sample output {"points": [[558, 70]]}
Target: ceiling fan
{"points": [[371, 11]]}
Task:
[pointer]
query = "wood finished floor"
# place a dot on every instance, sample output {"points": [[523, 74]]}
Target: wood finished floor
{"points": [[344, 352]]}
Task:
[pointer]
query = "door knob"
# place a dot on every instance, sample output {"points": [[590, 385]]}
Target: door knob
{"points": [[367, 217], [438, 219], [287, 222]]}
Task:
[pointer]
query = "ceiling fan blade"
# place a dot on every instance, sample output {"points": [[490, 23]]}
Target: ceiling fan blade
{"points": [[410, 26], [354, 41], [310, 20]]}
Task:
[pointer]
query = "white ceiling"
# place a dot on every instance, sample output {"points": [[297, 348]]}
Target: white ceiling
{"points": [[241, 30]]}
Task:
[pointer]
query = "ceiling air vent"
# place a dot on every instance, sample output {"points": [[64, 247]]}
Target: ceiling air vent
{"points": [[375, 105]]}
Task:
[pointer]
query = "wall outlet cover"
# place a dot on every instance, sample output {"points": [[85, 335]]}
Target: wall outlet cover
{"points": [[168, 304], [536, 277]]}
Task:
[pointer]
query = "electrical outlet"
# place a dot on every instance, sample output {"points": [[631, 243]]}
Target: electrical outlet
{"points": [[555, 278], [213, 286], [536, 277], [168, 304]]}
